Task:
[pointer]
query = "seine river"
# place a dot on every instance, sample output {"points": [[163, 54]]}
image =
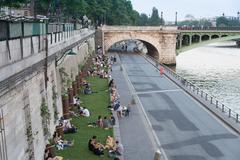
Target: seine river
{"points": [[214, 68]]}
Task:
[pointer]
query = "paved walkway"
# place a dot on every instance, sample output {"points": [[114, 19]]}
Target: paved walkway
{"points": [[170, 119], [134, 131]]}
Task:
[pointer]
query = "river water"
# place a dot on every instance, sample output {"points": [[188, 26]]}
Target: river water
{"points": [[215, 69]]}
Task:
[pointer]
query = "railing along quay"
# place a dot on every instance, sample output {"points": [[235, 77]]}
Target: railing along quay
{"points": [[223, 112]]}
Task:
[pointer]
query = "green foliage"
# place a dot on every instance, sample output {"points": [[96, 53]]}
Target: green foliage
{"points": [[196, 23], [110, 12], [143, 20], [228, 22], [65, 80], [12, 3], [44, 111], [155, 19], [45, 114], [54, 99], [222, 22]]}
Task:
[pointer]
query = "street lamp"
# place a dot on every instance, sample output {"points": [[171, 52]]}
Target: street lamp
{"points": [[238, 15], [176, 19], [161, 18]]}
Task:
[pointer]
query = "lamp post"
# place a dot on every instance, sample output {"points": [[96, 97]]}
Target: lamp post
{"points": [[161, 18], [238, 15], [176, 19]]}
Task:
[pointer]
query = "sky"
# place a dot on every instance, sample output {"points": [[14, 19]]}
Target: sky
{"points": [[197, 8]]}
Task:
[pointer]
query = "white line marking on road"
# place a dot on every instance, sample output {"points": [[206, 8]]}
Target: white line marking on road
{"points": [[160, 91]]}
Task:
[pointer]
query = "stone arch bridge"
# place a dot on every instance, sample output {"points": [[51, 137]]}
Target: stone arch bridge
{"points": [[162, 42]]}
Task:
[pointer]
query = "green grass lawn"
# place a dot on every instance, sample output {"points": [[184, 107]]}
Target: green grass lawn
{"points": [[97, 104]]}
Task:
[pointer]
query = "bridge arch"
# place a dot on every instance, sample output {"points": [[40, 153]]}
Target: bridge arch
{"points": [[186, 39], [151, 44], [196, 38], [224, 35], [205, 37], [214, 36]]}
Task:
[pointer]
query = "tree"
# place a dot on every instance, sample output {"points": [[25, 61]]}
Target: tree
{"points": [[110, 12], [190, 17], [222, 21], [143, 20], [154, 19], [12, 3]]}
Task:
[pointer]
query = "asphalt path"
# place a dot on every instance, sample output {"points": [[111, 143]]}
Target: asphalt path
{"points": [[184, 128]]}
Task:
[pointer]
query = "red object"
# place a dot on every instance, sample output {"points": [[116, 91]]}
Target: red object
{"points": [[161, 70]]}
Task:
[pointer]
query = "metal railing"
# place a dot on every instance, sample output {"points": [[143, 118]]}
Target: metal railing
{"points": [[206, 99]]}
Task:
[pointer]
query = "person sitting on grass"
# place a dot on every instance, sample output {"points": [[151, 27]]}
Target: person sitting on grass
{"points": [[117, 151], [60, 143], [112, 119], [85, 112], [87, 90], [110, 143], [68, 127], [106, 123], [96, 147], [56, 137], [100, 121]]}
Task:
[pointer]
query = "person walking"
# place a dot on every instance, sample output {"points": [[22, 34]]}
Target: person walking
{"points": [[161, 71]]}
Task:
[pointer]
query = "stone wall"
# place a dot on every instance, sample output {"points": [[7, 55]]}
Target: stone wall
{"points": [[27, 95], [13, 61], [21, 105]]}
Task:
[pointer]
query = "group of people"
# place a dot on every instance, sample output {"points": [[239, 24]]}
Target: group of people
{"points": [[106, 122], [115, 101], [100, 67], [114, 147]]}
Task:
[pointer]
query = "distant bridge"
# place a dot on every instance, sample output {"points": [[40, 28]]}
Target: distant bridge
{"points": [[189, 39]]}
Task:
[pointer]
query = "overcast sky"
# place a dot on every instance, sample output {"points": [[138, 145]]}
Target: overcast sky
{"points": [[197, 8]]}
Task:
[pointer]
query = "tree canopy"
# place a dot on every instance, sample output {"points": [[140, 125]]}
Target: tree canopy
{"points": [[12, 3], [110, 12], [154, 19]]}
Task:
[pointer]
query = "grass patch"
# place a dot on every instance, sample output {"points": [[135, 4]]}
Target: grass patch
{"points": [[97, 104]]}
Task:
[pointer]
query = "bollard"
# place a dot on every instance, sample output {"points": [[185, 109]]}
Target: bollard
{"points": [[133, 100], [157, 155]]}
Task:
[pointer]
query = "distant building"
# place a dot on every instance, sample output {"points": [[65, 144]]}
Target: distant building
{"points": [[22, 11]]}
